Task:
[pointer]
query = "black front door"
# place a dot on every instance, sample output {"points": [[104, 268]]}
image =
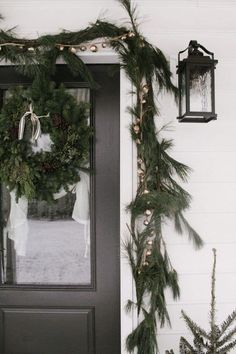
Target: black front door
{"points": [[60, 295]]}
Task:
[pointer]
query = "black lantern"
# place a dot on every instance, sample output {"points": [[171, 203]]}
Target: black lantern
{"points": [[196, 84]]}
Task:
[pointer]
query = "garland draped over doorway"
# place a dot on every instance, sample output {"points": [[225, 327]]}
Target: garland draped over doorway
{"points": [[159, 196]]}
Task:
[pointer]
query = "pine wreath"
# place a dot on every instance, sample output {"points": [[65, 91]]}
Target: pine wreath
{"points": [[39, 174]]}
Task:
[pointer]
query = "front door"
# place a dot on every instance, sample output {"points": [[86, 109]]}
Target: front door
{"points": [[62, 295]]}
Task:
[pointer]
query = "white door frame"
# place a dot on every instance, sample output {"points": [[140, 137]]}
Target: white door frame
{"points": [[128, 185]]}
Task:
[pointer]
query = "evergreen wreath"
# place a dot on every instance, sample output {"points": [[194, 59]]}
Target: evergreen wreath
{"points": [[160, 196], [40, 174]]}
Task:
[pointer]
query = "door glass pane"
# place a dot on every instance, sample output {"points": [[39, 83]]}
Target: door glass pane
{"points": [[52, 246]]}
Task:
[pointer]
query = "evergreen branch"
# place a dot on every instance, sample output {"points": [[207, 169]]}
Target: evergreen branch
{"points": [[131, 11], [180, 223], [228, 322], [130, 305], [195, 329], [227, 348], [143, 337], [227, 337], [213, 300], [184, 344], [212, 343], [78, 67]]}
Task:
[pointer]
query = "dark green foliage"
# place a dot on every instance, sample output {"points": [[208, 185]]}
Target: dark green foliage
{"points": [[158, 190], [39, 175], [143, 336], [219, 340]]}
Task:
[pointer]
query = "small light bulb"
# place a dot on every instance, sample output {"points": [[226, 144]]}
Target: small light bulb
{"points": [[145, 88], [148, 212], [140, 172], [73, 50], [131, 34], [136, 129], [94, 48], [140, 161], [146, 191]]}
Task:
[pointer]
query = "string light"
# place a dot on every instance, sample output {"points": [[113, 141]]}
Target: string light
{"points": [[140, 161], [131, 34], [146, 191], [148, 212], [140, 172], [136, 129], [93, 48], [145, 89], [73, 48]]}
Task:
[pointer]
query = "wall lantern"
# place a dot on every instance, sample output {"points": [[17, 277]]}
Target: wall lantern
{"points": [[196, 84]]}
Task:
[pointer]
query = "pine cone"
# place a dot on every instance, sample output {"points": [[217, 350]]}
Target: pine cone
{"points": [[14, 133], [47, 167], [57, 120]]}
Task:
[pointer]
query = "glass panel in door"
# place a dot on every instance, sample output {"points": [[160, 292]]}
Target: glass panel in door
{"points": [[53, 245]]}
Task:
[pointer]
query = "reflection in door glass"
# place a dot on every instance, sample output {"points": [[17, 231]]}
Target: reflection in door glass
{"points": [[53, 243]]}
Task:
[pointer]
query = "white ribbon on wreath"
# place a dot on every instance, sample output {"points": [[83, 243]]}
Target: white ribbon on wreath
{"points": [[17, 226]]}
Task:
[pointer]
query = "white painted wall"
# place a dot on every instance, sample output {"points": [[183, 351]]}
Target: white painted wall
{"points": [[209, 149]]}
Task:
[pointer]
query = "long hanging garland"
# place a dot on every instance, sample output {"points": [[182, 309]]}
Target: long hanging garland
{"points": [[159, 196]]}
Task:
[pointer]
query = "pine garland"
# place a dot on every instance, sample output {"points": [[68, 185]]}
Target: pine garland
{"points": [[159, 196]]}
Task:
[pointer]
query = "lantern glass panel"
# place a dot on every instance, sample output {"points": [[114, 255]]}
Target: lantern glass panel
{"points": [[183, 94], [200, 88]]}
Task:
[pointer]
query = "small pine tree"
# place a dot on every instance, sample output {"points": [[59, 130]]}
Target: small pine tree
{"points": [[219, 340]]}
